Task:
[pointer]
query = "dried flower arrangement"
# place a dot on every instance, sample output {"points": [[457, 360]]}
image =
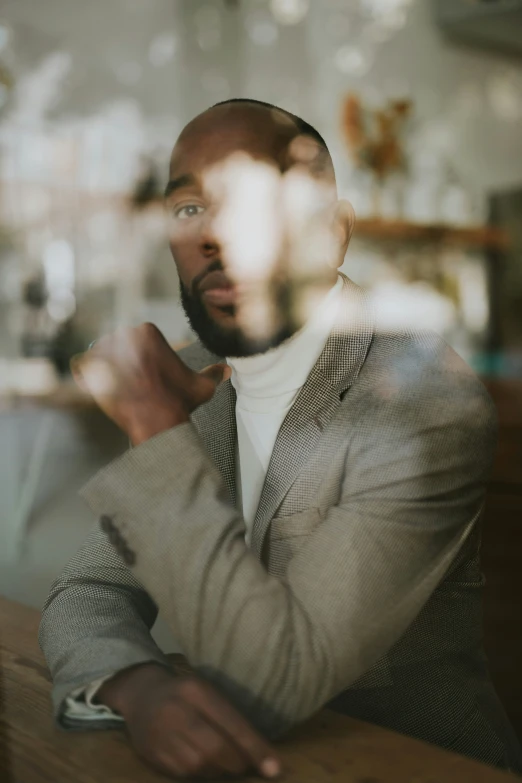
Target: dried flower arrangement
{"points": [[373, 135]]}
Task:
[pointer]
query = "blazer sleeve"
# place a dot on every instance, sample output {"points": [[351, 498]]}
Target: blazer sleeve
{"points": [[280, 649], [97, 619], [95, 622]]}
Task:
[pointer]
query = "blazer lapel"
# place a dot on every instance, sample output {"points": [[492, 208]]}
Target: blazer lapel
{"points": [[216, 424], [334, 372]]}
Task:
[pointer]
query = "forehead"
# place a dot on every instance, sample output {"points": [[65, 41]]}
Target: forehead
{"points": [[219, 132]]}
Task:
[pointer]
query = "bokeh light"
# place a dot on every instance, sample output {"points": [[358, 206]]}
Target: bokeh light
{"points": [[505, 95], [261, 29], [162, 49], [215, 83], [353, 60], [289, 11], [5, 35], [128, 73]]}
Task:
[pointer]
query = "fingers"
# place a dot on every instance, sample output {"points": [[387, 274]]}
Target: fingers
{"points": [[257, 750], [184, 743], [75, 365], [202, 385], [180, 759], [185, 728], [216, 749], [93, 375], [217, 373]]}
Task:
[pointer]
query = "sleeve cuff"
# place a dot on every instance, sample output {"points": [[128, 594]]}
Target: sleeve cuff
{"points": [[80, 705]]}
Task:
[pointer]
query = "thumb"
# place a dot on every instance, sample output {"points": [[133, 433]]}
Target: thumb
{"points": [[217, 373], [75, 365]]}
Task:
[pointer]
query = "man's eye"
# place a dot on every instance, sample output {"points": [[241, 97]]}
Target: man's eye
{"points": [[188, 211]]}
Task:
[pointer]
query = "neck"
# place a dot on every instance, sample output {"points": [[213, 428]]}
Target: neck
{"points": [[285, 368]]}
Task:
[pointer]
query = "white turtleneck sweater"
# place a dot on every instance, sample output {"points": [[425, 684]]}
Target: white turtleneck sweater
{"points": [[266, 387]]}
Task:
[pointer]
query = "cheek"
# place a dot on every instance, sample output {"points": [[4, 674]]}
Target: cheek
{"points": [[187, 258]]}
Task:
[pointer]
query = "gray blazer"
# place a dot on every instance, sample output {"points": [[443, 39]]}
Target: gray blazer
{"points": [[362, 587]]}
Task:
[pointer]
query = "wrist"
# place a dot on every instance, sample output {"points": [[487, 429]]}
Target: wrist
{"points": [[120, 692], [142, 428]]}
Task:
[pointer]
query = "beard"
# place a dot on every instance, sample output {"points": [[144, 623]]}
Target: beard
{"points": [[232, 341]]}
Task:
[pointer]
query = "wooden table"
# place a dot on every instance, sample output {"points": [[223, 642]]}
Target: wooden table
{"points": [[329, 748]]}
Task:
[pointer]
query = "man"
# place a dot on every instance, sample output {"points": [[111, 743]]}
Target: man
{"points": [[309, 526]]}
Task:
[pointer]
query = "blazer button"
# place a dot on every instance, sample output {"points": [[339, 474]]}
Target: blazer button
{"points": [[128, 555], [106, 523]]}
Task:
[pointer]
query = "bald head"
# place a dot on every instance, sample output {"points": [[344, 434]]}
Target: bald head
{"points": [[262, 131]]}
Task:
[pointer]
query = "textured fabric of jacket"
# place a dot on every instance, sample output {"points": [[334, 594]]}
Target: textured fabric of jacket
{"points": [[362, 586]]}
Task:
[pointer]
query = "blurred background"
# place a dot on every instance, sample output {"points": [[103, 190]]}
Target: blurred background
{"points": [[420, 102]]}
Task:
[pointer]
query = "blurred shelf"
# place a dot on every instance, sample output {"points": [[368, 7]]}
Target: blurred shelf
{"points": [[403, 231], [485, 237], [65, 396]]}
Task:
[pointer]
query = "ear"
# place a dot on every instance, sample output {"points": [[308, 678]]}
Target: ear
{"points": [[344, 222]]}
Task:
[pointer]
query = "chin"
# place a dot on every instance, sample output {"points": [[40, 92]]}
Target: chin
{"points": [[232, 341], [219, 332]]}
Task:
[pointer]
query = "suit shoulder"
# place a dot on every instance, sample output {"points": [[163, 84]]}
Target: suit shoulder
{"points": [[422, 372]]}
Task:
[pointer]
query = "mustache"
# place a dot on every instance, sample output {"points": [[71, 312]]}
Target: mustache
{"points": [[215, 266]]}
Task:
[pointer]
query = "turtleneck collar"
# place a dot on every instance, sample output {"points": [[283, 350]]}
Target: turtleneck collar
{"points": [[267, 381]]}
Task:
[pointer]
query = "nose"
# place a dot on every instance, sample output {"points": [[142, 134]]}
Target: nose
{"points": [[208, 243]]}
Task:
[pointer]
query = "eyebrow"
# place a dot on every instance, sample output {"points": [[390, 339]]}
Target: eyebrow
{"points": [[179, 182]]}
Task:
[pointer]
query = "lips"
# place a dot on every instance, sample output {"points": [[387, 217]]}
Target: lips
{"points": [[218, 290]]}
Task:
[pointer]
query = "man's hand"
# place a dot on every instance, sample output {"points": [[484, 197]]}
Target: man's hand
{"points": [[141, 383], [183, 727]]}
